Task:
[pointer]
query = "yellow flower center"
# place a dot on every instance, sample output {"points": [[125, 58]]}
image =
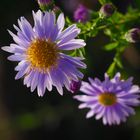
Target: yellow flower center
{"points": [[107, 99], [42, 54]]}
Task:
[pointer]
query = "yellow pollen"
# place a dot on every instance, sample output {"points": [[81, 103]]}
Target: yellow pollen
{"points": [[107, 99], [42, 54]]}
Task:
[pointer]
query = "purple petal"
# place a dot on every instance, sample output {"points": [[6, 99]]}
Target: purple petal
{"points": [[13, 48], [57, 79], [70, 70], [100, 114], [73, 44], [87, 89], [21, 64], [40, 88], [61, 22], [54, 33], [68, 34], [16, 57], [21, 41], [74, 61], [26, 28], [90, 114], [34, 81], [85, 98], [28, 78], [51, 24], [48, 82], [38, 26], [23, 71]]}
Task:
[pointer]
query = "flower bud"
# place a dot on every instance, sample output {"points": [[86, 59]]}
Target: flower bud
{"points": [[45, 4], [75, 86], [81, 14], [57, 10], [133, 35], [107, 10]]}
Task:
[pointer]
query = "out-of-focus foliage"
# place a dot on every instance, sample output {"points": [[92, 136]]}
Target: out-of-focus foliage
{"points": [[115, 27]]}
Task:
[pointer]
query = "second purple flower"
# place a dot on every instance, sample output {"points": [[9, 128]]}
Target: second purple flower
{"points": [[112, 100]]}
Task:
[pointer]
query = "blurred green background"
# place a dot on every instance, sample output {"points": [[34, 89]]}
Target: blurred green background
{"points": [[25, 116]]}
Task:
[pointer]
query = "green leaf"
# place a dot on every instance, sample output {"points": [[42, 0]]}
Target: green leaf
{"points": [[111, 46], [112, 69], [107, 32], [68, 21], [102, 2], [118, 62], [81, 54]]}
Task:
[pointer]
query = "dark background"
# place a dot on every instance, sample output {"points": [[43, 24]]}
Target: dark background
{"points": [[25, 116]]}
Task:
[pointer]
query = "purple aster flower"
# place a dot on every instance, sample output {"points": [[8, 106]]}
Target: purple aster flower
{"points": [[81, 14], [112, 100], [40, 52]]}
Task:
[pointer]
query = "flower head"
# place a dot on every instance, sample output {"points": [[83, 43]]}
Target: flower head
{"points": [[133, 35], [81, 14], [112, 100], [107, 10], [40, 52]]}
